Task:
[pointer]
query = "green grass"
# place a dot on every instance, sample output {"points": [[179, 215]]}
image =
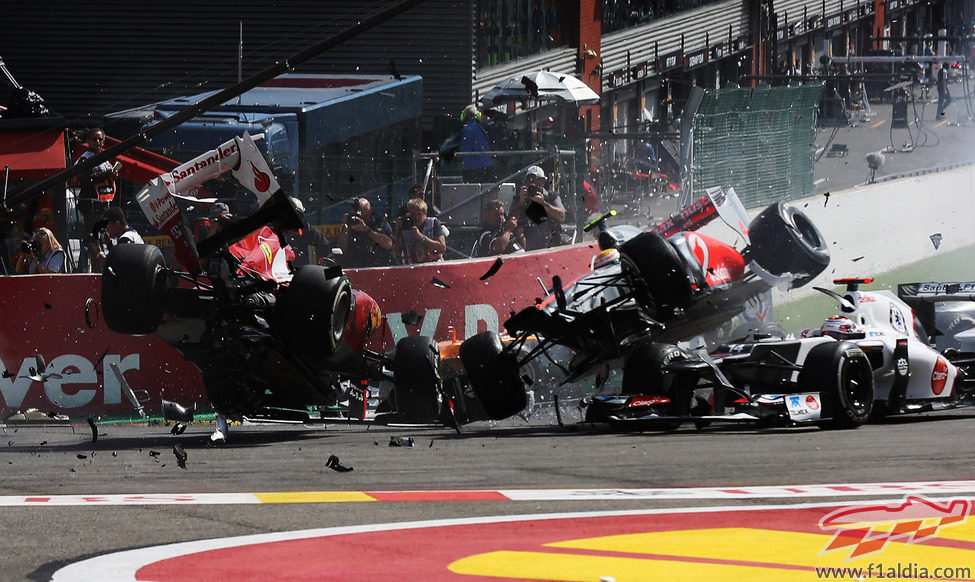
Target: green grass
{"points": [[958, 265]]}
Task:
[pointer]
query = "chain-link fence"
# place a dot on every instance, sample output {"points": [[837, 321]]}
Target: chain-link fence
{"points": [[761, 141]]}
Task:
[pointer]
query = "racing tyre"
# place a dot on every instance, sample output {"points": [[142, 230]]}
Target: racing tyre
{"points": [[416, 367], [656, 272], [133, 288], [314, 311], [842, 374], [493, 374], [644, 372], [784, 240]]}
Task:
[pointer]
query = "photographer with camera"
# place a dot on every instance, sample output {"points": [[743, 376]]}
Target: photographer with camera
{"points": [[500, 235], [42, 254], [424, 238], [113, 229], [539, 212], [366, 237]]}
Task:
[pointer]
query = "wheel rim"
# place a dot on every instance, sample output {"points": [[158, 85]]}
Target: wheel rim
{"points": [[807, 231], [857, 379], [340, 315]]}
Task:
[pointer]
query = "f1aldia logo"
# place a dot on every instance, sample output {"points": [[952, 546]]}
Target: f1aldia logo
{"points": [[864, 531]]}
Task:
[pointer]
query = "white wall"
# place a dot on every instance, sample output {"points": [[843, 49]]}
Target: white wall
{"points": [[888, 224]]}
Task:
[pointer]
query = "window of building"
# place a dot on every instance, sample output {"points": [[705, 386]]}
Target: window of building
{"points": [[511, 29]]}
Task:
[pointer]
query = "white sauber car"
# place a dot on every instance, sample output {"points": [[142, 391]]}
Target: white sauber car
{"points": [[866, 363], [909, 374]]}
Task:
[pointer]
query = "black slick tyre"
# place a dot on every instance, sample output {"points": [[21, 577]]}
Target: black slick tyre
{"points": [[133, 288], [656, 272], [644, 372], [314, 311], [493, 374], [842, 374], [785, 240], [416, 369]]}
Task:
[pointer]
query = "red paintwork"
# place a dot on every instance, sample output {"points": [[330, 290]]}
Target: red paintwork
{"points": [[720, 262], [45, 314]]}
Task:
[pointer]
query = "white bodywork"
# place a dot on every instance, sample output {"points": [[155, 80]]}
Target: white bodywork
{"points": [[885, 318]]}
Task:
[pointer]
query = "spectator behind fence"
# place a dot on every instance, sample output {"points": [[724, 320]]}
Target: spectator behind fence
{"points": [[97, 191], [424, 238], [42, 254], [477, 169], [539, 212], [366, 237], [500, 235], [117, 231]]}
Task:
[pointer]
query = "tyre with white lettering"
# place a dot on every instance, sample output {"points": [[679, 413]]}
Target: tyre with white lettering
{"points": [[655, 273], [133, 287], [416, 369], [493, 374], [842, 374], [784, 240], [314, 311]]}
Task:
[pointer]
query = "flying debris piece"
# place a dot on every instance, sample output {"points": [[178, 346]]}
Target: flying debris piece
{"points": [[438, 283], [857, 258], [94, 429], [825, 198], [7, 374], [178, 428], [398, 441], [219, 435], [334, 464], [410, 317], [177, 412], [39, 373], [82, 456], [153, 453], [48, 305], [180, 455], [127, 390], [494, 268], [936, 240]]}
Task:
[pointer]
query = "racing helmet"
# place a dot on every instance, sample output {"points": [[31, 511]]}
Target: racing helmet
{"points": [[840, 327], [605, 257]]}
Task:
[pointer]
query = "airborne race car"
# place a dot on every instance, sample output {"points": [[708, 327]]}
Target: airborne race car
{"points": [[663, 285], [269, 343]]}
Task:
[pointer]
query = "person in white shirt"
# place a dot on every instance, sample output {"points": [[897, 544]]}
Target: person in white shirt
{"points": [[118, 229]]}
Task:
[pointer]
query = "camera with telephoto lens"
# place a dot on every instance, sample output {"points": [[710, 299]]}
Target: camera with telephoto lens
{"points": [[534, 210], [30, 247], [355, 214], [408, 221]]}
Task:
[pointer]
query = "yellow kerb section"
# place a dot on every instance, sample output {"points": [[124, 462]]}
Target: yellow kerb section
{"points": [[314, 497]]}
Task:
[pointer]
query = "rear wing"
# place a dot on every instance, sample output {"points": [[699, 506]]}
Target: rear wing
{"points": [[716, 202], [922, 298], [936, 292]]}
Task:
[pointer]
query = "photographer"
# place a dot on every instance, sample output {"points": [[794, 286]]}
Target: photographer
{"points": [[366, 237], [117, 231], [500, 235], [424, 238], [540, 213], [42, 254]]}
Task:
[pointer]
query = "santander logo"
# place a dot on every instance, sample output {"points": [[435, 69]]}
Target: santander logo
{"points": [[939, 377]]}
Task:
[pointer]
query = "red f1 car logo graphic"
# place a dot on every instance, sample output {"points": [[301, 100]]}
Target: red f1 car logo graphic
{"points": [[862, 531]]}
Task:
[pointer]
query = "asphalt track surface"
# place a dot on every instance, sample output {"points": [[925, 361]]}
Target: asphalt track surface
{"points": [[65, 498]]}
